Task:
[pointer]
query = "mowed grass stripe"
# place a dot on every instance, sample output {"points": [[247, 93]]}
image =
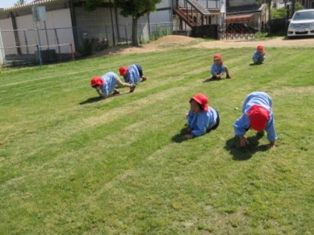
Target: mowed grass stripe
{"points": [[99, 66], [45, 87], [78, 126], [152, 185], [56, 139]]}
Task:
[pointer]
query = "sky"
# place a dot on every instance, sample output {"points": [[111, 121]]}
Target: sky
{"points": [[8, 3]]}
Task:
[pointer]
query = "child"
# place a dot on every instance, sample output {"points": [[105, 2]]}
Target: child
{"points": [[258, 115], [218, 68], [259, 55], [106, 85], [132, 74], [201, 118]]}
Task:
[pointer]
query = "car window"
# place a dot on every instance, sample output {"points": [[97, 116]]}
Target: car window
{"points": [[307, 15]]}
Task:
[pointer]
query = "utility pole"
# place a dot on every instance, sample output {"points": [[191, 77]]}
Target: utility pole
{"points": [[292, 8], [222, 23]]}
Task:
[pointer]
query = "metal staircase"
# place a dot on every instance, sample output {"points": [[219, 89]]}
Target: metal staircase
{"points": [[192, 12], [199, 7]]}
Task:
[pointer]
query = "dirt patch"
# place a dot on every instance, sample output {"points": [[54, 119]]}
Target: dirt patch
{"points": [[275, 42], [163, 43], [177, 41]]}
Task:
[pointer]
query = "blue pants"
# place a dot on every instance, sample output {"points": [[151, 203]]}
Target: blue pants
{"points": [[140, 70]]}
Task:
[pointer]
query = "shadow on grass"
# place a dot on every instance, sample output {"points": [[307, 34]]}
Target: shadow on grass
{"points": [[253, 64], [179, 138], [91, 100], [211, 80], [245, 153], [98, 98]]}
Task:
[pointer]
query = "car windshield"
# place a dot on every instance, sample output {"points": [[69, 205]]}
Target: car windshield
{"points": [[305, 15]]}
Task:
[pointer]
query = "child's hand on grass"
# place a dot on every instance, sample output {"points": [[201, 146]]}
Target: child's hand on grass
{"points": [[243, 141], [188, 136]]}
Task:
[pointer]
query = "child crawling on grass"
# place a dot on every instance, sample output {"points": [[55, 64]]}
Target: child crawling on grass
{"points": [[201, 118], [106, 84], [259, 55], [218, 69], [132, 74], [257, 114]]}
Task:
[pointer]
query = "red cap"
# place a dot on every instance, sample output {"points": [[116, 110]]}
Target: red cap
{"points": [[260, 48], [258, 117], [96, 81], [123, 70], [202, 100], [217, 56]]}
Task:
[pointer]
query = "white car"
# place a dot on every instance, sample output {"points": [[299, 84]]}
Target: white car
{"points": [[302, 23]]}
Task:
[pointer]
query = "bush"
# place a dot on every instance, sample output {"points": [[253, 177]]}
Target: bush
{"points": [[90, 45], [159, 32], [279, 13]]}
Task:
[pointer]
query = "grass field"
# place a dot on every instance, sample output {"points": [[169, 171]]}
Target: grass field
{"points": [[72, 166]]}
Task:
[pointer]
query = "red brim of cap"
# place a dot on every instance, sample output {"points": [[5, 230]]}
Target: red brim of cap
{"points": [[258, 117], [205, 107]]}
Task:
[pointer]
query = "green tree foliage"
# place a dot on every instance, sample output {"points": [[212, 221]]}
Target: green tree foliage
{"points": [[282, 12], [135, 9], [93, 4], [20, 2]]}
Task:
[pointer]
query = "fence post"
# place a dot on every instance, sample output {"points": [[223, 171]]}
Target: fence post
{"points": [[72, 52], [126, 35], [46, 33], [39, 46], [106, 32], [39, 55], [57, 41], [2, 51], [26, 42]]}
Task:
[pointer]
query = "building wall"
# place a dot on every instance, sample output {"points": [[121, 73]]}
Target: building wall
{"points": [[163, 16], [57, 29], [163, 13], [238, 3], [98, 24], [93, 24], [308, 3], [7, 36]]}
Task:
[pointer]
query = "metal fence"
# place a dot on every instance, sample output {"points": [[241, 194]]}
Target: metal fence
{"points": [[41, 46], [208, 4], [29, 46], [245, 28]]}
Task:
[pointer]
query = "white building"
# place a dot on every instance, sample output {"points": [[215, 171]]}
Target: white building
{"points": [[66, 24]]}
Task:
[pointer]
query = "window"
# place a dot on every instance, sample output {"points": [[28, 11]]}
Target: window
{"points": [[304, 15]]}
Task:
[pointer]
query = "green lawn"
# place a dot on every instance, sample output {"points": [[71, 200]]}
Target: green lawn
{"points": [[69, 166]]}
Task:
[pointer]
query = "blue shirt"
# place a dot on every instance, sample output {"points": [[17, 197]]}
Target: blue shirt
{"points": [[258, 57], [200, 122], [217, 69], [133, 75], [110, 82], [242, 124]]}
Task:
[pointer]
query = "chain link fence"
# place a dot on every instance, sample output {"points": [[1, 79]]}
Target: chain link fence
{"points": [[31, 46], [241, 27], [42, 46]]}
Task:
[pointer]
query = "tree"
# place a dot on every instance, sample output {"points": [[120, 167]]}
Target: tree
{"points": [[20, 2], [268, 3], [292, 8], [91, 5], [135, 9]]}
